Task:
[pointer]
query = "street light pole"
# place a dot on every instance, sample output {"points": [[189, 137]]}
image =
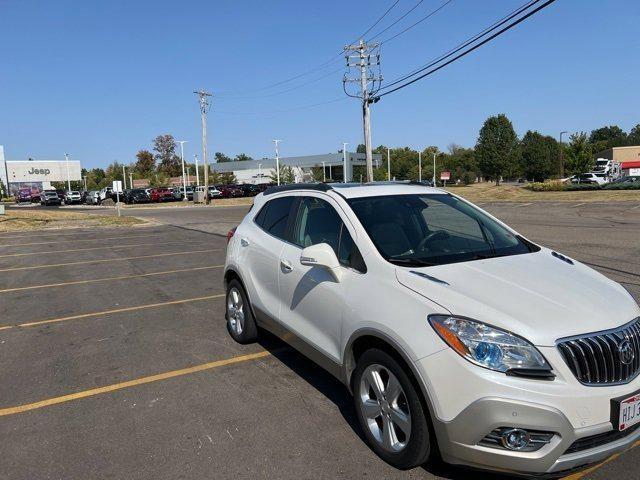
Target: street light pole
{"points": [[388, 164], [344, 162], [124, 178], [324, 176], [277, 160], [197, 171], [184, 180], [419, 166], [66, 156], [434, 169], [562, 155]]}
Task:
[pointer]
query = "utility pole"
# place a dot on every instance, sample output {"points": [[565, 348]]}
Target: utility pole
{"points": [[365, 58], [66, 156], [124, 179], [388, 164], [184, 180], [419, 166], [197, 171], [277, 160], [130, 181], [344, 162], [434, 169], [324, 175], [205, 104], [562, 155], [85, 182]]}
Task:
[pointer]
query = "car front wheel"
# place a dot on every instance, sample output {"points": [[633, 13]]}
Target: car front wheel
{"points": [[240, 322], [390, 411]]}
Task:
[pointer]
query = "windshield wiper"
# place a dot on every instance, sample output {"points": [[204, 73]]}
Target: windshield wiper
{"points": [[411, 262]]}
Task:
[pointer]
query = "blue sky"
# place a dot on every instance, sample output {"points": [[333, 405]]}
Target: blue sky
{"points": [[101, 79]]}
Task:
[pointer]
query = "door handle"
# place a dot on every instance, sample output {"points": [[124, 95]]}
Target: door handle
{"points": [[286, 266], [244, 242]]}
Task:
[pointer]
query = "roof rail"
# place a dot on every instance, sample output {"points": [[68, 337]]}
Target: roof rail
{"points": [[321, 187]]}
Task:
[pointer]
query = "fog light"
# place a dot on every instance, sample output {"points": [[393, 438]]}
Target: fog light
{"points": [[516, 439]]}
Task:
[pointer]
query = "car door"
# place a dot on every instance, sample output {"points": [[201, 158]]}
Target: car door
{"points": [[259, 253], [312, 300]]}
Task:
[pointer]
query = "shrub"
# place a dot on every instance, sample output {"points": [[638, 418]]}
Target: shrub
{"points": [[623, 186], [572, 187], [546, 186]]}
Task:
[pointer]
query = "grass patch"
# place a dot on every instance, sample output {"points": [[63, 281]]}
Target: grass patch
{"points": [[489, 192], [15, 220]]}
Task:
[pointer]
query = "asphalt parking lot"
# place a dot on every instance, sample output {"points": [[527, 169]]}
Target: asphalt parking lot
{"points": [[115, 361]]}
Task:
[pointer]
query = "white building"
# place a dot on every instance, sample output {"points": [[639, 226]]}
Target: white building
{"points": [[259, 171]]}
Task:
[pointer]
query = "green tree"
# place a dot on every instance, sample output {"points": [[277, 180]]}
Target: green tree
{"points": [[286, 175], [537, 158], [607, 137], [497, 148], [242, 157], [168, 162], [634, 136], [221, 157], [145, 163], [578, 154], [227, 178]]}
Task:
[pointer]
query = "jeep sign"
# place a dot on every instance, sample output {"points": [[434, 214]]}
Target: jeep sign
{"points": [[42, 170]]}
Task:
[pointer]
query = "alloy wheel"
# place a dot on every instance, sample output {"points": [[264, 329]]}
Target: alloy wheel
{"points": [[235, 311]]}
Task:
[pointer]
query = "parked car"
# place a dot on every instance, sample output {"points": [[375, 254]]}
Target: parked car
{"points": [[72, 197], [177, 193], [105, 193], [456, 335], [593, 178], [161, 194], [214, 192], [50, 197], [230, 191], [23, 195], [136, 195], [189, 191], [61, 193], [249, 189], [628, 179], [92, 198]]}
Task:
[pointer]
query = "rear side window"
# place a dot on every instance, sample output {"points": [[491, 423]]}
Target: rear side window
{"points": [[274, 216]]}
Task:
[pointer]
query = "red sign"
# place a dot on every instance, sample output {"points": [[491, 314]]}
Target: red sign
{"points": [[445, 175]]}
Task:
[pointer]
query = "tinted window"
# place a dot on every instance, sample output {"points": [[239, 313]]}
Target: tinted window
{"points": [[275, 216], [318, 222]]}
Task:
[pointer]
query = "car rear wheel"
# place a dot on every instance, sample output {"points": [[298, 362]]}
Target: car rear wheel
{"points": [[390, 411], [240, 322]]}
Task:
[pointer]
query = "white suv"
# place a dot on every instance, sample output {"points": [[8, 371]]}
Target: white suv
{"points": [[454, 333]]}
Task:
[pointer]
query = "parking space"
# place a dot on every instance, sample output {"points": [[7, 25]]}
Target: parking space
{"points": [[115, 361]]}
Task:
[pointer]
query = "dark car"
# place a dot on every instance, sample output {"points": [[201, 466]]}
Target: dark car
{"points": [[161, 194], [230, 191], [23, 195], [628, 179], [189, 190], [249, 189], [50, 197], [61, 193], [136, 195]]}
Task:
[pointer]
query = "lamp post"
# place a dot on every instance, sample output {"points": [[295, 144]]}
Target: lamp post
{"points": [[434, 169], [562, 155], [419, 166], [324, 176], [277, 160], [184, 180], [344, 162], [66, 157], [388, 164], [197, 172]]}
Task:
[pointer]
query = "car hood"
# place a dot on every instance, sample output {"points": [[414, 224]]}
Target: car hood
{"points": [[536, 295]]}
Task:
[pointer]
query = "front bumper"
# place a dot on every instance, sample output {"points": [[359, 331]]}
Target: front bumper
{"points": [[467, 402]]}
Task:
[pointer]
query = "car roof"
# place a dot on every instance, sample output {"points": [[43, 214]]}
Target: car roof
{"points": [[379, 189]]}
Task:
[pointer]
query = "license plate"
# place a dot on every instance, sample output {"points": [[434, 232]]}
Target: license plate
{"points": [[629, 412]]}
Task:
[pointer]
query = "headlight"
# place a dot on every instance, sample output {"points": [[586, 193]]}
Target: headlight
{"points": [[488, 346]]}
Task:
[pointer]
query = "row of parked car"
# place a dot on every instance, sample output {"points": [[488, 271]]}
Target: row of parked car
{"points": [[49, 197]]}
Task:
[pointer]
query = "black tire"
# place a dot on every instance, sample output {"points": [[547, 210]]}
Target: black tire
{"points": [[242, 328], [420, 444]]}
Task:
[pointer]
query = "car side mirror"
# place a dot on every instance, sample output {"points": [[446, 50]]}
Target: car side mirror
{"points": [[322, 255]]}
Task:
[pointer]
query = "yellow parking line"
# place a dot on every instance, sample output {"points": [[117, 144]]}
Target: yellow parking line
{"points": [[112, 311], [105, 279], [77, 241], [106, 260], [579, 475], [114, 247], [131, 383]]}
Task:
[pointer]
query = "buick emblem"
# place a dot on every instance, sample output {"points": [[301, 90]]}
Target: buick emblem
{"points": [[625, 350]]}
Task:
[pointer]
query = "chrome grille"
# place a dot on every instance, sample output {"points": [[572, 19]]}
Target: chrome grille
{"points": [[604, 358]]}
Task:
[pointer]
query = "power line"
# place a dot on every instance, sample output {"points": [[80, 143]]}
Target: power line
{"points": [[466, 52], [333, 60], [426, 17], [464, 44], [398, 20], [271, 112]]}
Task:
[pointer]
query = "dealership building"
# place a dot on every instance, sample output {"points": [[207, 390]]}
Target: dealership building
{"points": [[260, 171], [37, 174], [628, 157]]}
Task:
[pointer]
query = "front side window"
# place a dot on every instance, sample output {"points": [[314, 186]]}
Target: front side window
{"points": [[318, 222], [433, 229], [274, 215]]}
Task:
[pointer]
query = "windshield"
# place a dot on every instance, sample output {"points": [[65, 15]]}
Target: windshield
{"points": [[434, 229]]}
